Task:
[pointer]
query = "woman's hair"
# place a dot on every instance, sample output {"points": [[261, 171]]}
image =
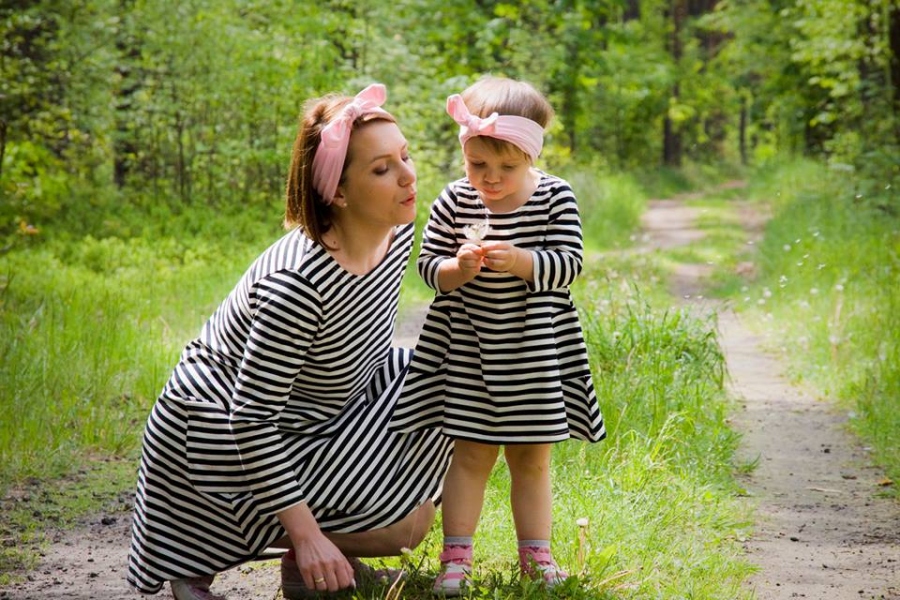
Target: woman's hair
{"points": [[304, 206], [504, 96]]}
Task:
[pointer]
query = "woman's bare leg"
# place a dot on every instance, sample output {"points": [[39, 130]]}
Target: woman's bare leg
{"points": [[386, 541]]}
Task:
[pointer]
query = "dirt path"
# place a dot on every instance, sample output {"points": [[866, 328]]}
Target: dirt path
{"points": [[823, 532]]}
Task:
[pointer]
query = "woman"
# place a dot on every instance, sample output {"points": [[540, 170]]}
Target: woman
{"points": [[272, 430]]}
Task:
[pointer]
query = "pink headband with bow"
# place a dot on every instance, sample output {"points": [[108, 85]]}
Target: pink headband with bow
{"points": [[524, 133], [332, 151]]}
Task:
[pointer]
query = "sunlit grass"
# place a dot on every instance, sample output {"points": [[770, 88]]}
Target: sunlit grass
{"points": [[828, 293], [650, 512], [89, 334]]}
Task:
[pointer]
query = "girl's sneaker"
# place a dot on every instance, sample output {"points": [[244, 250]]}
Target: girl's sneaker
{"points": [[537, 562], [456, 569], [195, 588]]}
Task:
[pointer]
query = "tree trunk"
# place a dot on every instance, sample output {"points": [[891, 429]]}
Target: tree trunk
{"points": [[742, 130], [672, 146], [3, 127]]}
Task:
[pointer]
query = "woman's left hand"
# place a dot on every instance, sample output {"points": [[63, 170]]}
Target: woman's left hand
{"points": [[322, 565]]}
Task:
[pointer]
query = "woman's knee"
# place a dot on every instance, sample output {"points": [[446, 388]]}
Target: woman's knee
{"points": [[410, 532]]}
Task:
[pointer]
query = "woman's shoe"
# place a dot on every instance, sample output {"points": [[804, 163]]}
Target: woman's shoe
{"points": [[456, 571], [293, 588], [194, 588], [537, 562]]}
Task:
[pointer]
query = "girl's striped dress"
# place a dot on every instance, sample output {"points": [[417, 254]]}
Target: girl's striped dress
{"points": [[501, 360], [284, 398]]}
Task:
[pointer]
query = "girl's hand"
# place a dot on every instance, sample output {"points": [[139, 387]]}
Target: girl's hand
{"points": [[504, 257], [469, 258], [500, 256]]}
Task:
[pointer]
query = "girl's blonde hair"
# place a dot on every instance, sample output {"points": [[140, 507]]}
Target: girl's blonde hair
{"points": [[504, 96]]}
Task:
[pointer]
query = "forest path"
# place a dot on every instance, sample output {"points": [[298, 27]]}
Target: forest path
{"points": [[822, 529], [823, 532]]}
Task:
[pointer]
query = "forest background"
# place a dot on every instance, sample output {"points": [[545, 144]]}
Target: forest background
{"points": [[144, 146]]}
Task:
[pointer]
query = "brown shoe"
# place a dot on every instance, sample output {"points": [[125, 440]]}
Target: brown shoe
{"points": [[194, 588], [293, 588]]}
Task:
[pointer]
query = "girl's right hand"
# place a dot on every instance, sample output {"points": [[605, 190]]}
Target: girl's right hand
{"points": [[469, 258]]}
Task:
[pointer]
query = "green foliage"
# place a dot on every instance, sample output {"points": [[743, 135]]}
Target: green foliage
{"points": [[88, 333], [827, 295]]}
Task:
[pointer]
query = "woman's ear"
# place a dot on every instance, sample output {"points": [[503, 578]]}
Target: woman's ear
{"points": [[339, 200]]}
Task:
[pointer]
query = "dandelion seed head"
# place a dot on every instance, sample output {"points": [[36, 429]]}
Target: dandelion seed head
{"points": [[767, 293], [787, 247], [814, 291], [476, 232], [582, 522], [839, 287]]}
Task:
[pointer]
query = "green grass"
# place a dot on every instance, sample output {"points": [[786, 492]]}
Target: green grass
{"points": [[828, 293], [92, 329]]}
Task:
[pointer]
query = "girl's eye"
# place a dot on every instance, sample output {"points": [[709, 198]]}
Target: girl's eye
{"points": [[381, 170]]}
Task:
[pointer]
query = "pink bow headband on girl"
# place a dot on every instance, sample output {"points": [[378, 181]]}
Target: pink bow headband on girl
{"points": [[524, 133], [332, 151]]}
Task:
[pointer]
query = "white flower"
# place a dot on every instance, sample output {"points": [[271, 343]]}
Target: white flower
{"points": [[582, 522], [476, 232]]}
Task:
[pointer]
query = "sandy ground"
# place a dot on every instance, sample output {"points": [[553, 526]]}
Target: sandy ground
{"points": [[824, 531], [824, 528]]}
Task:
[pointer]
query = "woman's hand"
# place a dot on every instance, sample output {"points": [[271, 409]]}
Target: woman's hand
{"points": [[322, 565]]}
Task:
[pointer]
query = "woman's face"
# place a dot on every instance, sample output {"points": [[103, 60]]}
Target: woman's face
{"points": [[379, 184]]}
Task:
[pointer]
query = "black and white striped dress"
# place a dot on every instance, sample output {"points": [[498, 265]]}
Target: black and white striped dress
{"points": [[501, 360], [284, 397]]}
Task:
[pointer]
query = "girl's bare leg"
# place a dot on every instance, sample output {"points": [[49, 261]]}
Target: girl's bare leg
{"points": [[464, 487], [531, 495]]}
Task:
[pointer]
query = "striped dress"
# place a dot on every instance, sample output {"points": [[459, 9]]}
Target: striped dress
{"points": [[501, 360], [284, 398]]}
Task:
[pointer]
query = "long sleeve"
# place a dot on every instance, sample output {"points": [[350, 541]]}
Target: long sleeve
{"points": [[286, 313], [560, 259]]}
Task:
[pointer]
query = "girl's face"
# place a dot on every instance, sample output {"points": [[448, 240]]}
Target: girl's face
{"points": [[379, 183], [502, 179]]}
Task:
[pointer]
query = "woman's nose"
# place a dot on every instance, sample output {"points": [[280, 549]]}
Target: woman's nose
{"points": [[408, 175]]}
